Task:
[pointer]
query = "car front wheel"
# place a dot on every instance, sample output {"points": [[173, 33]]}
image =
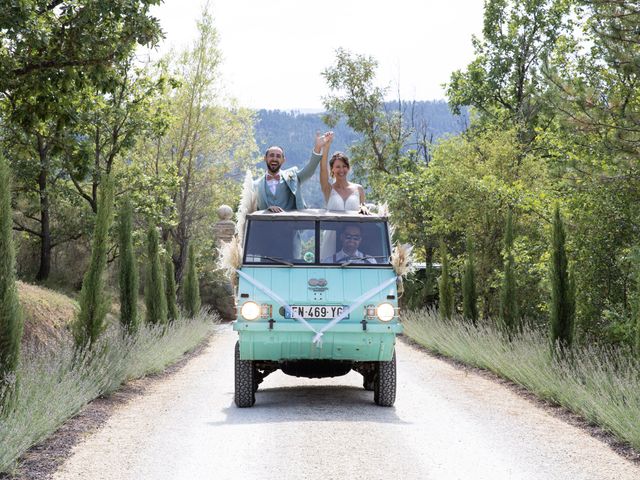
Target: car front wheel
{"points": [[245, 380], [384, 389]]}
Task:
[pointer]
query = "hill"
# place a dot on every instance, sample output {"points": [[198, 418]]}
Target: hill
{"points": [[47, 315]]}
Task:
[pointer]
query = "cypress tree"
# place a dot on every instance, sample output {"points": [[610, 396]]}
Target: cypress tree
{"points": [[93, 300], [508, 302], [128, 277], [469, 295], [155, 298], [562, 290], [191, 287], [170, 285], [11, 321], [636, 304], [445, 286]]}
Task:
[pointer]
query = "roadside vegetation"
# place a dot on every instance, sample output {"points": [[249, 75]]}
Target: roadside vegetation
{"points": [[57, 381], [600, 384]]}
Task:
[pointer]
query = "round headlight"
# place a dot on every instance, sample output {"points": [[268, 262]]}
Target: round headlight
{"points": [[250, 310], [385, 312]]}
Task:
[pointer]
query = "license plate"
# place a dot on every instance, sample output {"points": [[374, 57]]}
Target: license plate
{"points": [[318, 311]]}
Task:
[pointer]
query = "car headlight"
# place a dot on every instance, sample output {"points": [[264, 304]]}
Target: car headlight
{"points": [[385, 312], [250, 310]]}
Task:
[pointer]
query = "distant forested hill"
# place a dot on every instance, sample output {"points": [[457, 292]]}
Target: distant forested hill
{"points": [[295, 132]]}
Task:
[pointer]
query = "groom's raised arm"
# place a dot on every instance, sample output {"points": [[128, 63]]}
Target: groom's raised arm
{"points": [[307, 172]]}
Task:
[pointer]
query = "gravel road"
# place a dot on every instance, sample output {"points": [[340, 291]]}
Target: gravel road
{"points": [[447, 424]]}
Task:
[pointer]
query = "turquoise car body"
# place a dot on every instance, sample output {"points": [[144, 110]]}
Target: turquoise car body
{"points": [[276, 336]]}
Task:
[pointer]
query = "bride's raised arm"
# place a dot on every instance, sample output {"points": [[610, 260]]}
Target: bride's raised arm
{"points": [[324, 167]]}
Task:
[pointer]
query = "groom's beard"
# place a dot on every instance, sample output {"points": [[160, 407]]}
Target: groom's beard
{"points": [[273, 169]]}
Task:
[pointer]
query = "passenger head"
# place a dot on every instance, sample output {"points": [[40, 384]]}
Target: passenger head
{"points": [[339, 165], [274, 158], [351, 237]]}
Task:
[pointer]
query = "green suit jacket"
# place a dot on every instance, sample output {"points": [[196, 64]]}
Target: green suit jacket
{"points": [[292, 194]]}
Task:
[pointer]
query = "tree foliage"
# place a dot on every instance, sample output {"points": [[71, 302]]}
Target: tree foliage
{"points": [[94, 301], [191, 286], [56, 59], [128, 274], [446, 297], [170, 285], [11, 321], [154, 294], [508, 301], [562, 307], [469, 295]]}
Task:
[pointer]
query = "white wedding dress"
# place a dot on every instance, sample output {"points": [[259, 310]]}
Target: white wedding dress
{"points": [[336, 202]]}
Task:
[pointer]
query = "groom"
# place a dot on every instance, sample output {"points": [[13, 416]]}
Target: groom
{"points": [[279, 190]]}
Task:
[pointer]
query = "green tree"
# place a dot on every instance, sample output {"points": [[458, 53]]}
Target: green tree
{"points": [[11, 322], [355, 96], [205, 143], [504, 81], [508, 300], [155, 298], [128, 275], [562, 306], [191, 286], [445, 285], [469, 295], [170, 285], [54, 55], [93, 298]]}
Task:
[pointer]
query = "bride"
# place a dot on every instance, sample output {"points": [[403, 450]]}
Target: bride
{"points": [[341, 194]]}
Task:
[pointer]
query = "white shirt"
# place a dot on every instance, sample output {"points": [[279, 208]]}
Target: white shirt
{"points": [[272, 183]]}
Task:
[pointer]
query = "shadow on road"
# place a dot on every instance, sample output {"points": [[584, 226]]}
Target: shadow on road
{"points": [[312, 403]]}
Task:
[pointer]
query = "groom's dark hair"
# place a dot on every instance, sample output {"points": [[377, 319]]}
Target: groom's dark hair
{"points": [[275, 146]]}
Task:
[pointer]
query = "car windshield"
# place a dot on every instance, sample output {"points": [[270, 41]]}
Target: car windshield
{"points": [[303, 242]]}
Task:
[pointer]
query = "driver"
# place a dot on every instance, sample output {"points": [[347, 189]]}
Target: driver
{"points": [[350, 239]]}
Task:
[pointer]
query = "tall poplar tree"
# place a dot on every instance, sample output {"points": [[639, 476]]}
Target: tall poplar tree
{"points": [[128, 276], [508, 301], [469, 295], [93, 299], [155, 298], [562, 308], [11, 322], [445, 286], [191, 286]]}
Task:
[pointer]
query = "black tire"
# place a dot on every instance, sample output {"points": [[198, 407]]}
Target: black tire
{"points": [[245, 380], [384, 392]]}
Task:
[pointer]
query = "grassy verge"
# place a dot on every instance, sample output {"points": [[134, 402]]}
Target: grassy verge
{"points": [[602, 386], [55, 383]]}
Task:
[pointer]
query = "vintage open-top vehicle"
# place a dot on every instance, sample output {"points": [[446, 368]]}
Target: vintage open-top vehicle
{"points": [[316, 297]]}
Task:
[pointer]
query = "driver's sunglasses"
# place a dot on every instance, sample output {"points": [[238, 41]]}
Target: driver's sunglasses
{"points": [[352, 237]]}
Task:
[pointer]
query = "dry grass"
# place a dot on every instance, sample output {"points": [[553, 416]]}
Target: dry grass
{"points": [[47, 315]]}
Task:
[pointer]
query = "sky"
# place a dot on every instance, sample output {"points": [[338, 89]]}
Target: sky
{"points": [[274, 51]]}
